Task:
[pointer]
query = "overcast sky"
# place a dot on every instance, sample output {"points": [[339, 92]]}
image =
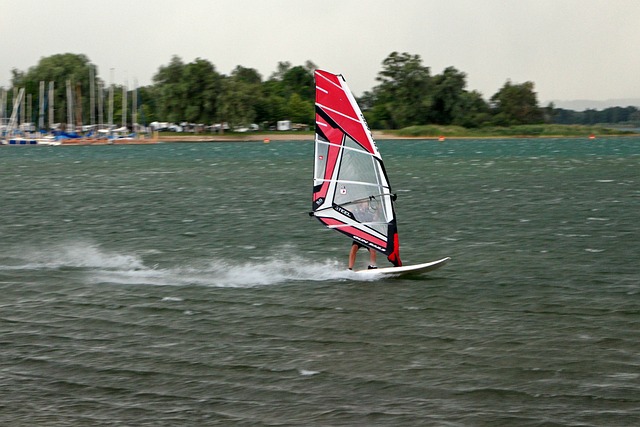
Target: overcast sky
{"points": [[570, 49]]}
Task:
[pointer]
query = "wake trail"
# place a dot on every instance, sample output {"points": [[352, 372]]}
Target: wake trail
{"points": [[96, 265]]}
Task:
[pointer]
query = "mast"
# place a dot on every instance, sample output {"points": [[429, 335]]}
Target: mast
{"points": [[14, 112], [134, 110], [92, 97], [41, 112], [70, 126], [124, 105], [101, 104], [111, 103], [22, 110], [3, 105], [51, 98], [79, 122], [15, 96], [27, 114]]}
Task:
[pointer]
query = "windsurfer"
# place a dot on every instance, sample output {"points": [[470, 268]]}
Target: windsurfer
{"points": [[354, 251]]}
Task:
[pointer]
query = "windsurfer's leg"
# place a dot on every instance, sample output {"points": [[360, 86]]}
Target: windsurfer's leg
{"points": [[352, 255], [372, 258]]}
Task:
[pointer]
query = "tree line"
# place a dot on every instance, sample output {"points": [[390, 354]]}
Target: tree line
{"points": [[623, 115], [406, 94]]}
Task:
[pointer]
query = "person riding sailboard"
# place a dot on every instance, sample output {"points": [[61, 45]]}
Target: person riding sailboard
{"points": [[351, 190]]}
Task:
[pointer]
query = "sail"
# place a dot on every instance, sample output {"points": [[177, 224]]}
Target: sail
{"points": [[351, 191]]}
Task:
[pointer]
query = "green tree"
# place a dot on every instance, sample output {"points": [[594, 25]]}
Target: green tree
{"points": [[474, 111], [202, 87], [58, 69], [300, 110], [148, 105], [281, 70], [238, 100], [187, 92], [170, 90], [270, 108], [375, 112], [404, 92], [247, 75], [516, 104], [448, 96], [278, 101], [299, 80]]}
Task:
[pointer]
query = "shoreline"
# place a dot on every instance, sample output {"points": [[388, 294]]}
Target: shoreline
{"points": [[293, 136], [377, 135], [275, 136]]}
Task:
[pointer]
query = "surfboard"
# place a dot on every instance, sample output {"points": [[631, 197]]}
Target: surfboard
{"points": [[405, 269]]}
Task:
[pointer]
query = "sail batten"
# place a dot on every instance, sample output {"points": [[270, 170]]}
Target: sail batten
{"points": [[355, 119], [351, 191], [359, 150], [347, 225], [350, 182]]}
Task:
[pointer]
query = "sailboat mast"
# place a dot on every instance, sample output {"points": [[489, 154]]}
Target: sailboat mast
{"points": [[101, 104], [111, 103], [134, 111], [17, 99], [79, 121], [111, 106], [41, 113], [92, 97], [70, 126], [3, 105], [51, 119], [26, 114], [124, 105]]}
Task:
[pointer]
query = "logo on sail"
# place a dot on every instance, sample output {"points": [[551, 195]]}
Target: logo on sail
{"points": [[344, 211]]}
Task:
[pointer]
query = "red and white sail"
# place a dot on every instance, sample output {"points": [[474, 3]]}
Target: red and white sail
{"points": [[351, 191]]}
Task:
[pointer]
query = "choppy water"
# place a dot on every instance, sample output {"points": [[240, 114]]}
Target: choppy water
{"points": [[184, 284]]}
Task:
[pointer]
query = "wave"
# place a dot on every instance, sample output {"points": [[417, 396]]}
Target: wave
{"points": [[77, 254], [224, 273], [98, 265]]}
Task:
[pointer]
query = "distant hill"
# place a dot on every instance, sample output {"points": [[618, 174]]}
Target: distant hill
{"points": [[585, 104]]}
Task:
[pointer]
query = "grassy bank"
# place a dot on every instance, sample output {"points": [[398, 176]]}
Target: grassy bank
{"points": [[235, 136], [429, 131]]}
